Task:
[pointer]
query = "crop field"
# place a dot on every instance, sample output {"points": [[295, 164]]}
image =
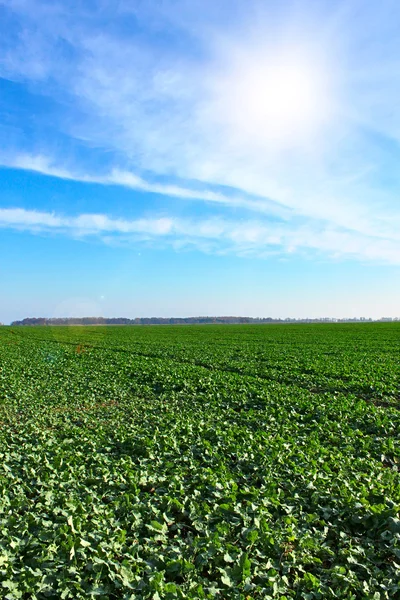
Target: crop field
{"points": [[239, 462]]}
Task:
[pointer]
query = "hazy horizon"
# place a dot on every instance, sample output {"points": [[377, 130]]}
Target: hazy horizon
{"points": [[360, 319]]}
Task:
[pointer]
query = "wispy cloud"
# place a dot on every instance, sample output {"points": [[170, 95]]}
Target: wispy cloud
{"points": [[327, 205], [41, 164], [243, 238]]}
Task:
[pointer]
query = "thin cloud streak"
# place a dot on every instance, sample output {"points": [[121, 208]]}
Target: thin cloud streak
{"points": [[244, 238], [328, 205], [42, 165]]}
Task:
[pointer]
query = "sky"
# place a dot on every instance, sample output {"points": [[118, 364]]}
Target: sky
{"points": [[199, 157]]}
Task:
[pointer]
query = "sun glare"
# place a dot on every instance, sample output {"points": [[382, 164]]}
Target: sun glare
{"points": [[282, 102]]}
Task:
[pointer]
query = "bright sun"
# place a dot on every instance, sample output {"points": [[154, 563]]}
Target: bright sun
{"points": [[281, 101]]}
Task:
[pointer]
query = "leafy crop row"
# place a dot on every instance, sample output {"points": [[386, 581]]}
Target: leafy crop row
{"points": [[200, 462]]}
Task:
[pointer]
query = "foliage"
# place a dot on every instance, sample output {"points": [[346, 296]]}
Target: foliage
{"points": [[238, 462]]}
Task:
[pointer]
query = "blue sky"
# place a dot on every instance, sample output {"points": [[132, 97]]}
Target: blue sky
{"points": [[191, 157]]}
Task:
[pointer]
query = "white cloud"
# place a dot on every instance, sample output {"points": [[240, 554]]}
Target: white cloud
{"points": [[244, 238], [327, 203], [28, 219], [43, 165]]}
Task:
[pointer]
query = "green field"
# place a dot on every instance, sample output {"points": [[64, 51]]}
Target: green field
{"points": [[238, 462]]}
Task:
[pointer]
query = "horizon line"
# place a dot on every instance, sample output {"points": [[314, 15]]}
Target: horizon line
{"points": [[223, 319]]}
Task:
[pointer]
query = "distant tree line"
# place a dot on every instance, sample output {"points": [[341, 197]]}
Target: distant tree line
{"points": [[183, 320], [140, 321]]}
